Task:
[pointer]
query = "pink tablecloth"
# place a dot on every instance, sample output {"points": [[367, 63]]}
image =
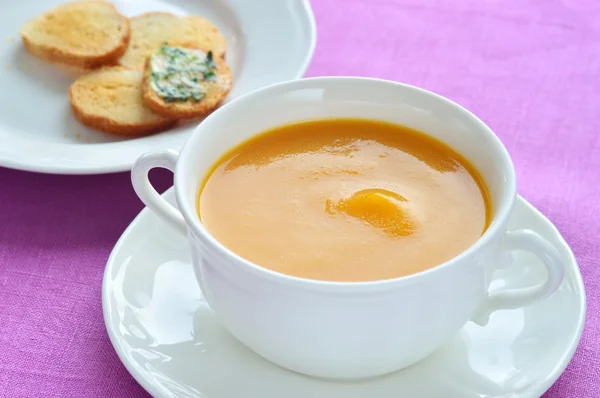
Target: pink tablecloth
{"points": [[529, 68]]}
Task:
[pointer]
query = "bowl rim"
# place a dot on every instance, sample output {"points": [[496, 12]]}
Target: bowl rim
{"points": [[500, 217]]}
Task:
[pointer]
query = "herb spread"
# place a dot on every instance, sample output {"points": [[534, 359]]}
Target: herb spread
{"points": [[178, 74]]}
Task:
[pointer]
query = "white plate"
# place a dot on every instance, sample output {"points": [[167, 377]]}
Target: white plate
{"points": [[38, 131], [172, 344]]}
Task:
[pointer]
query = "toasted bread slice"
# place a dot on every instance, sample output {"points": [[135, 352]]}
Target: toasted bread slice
{"points": [[149, 31], [176, 87], [86, 34], [110, 100]]}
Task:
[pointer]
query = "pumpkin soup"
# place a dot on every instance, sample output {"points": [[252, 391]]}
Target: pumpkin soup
{"points": [[344, 200]]}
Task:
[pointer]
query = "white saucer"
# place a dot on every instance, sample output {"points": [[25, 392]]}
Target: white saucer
{"points": [[38, 131], [172, 344]]}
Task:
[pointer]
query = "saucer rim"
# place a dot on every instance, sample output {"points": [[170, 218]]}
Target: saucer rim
{"points": [[542, 387]]}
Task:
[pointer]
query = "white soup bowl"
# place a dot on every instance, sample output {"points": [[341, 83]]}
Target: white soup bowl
{"points": [[348, 329]]}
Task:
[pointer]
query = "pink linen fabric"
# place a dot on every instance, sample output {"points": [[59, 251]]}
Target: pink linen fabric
{"points": [[528, 68]]}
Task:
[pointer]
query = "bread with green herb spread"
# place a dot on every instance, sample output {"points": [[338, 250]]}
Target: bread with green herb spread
{"points": [[86, 34], [185, 83], [110, 100], [150, 30]]}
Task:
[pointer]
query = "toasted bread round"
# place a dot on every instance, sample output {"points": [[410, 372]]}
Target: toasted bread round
{"points": [[215, 92], [150, 30], [110, 100], [86, 34], [203, 34]]}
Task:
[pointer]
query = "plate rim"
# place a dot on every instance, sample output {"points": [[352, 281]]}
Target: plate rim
{"points": [[536, 390], [22, 164]]}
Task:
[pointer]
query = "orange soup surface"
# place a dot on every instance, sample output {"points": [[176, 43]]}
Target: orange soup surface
{"points": [[344, 200]]}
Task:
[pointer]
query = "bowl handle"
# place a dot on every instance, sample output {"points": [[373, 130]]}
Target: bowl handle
{"points": [[143, 188], [529, 241]]}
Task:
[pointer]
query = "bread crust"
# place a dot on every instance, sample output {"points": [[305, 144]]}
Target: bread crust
{"points": [[109, 126], [56, 55], [61, 55]]}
